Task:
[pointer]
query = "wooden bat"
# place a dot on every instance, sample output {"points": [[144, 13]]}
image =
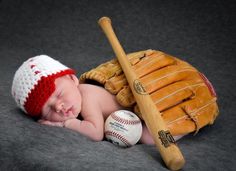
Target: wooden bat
{"points": [[164, 141]]}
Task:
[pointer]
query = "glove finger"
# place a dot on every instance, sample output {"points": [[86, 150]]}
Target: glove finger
{"points": [[177, 121], [203, 108], [152, 62], [168, 75], [125, 97], [116, 83], [101, 73], [174, 94], [192, 114]]}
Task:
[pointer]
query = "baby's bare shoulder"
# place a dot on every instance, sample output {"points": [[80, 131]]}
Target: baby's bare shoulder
{"points": [[96, 95], [94, 90]]}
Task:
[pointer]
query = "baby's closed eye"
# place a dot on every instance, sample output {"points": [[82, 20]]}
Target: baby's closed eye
{"points": [[60, 94]]}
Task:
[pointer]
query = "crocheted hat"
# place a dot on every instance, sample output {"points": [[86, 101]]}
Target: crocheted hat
{"points": [[33, 82]]}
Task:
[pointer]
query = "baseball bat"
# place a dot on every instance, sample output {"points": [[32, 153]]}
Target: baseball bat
{"points": [[164, 141]]}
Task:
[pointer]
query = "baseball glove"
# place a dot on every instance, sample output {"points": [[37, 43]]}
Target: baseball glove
{"points": [[183, 95]]}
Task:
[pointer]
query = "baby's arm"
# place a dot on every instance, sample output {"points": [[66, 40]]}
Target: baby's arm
{"points": [[51, 123], [96, 105], [91, 126]]}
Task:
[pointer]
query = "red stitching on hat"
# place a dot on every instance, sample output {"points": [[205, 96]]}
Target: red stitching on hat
{"points": [[32, 66], [36, 72]]}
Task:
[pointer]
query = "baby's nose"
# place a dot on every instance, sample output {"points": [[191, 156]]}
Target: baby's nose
{"points": [[59, 107]]}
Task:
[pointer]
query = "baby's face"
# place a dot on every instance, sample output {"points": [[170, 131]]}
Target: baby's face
{"points": [[65, 102]]}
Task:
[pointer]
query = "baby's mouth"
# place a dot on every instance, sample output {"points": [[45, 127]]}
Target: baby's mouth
{"points": [[69, 111]]}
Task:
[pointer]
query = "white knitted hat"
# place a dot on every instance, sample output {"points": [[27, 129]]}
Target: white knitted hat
{"points": [[33, 82]]}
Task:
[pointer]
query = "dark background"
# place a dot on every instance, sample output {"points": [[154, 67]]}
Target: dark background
{"points": [[200, 32]]}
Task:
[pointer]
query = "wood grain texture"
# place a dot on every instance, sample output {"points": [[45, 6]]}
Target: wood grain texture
{"points": [[164, 141]]}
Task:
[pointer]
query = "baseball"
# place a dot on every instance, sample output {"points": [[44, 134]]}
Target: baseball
{"points": [[123, 128]]}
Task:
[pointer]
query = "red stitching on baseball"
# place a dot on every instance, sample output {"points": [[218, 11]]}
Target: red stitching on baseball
{"points": [[118, 136], [124, 121]]}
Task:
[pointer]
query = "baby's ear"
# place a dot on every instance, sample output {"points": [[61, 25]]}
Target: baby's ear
{"points": [[75, 79]]}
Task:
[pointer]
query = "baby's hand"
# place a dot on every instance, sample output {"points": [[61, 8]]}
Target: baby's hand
{"points": [[70, 123], [47, 122]]}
